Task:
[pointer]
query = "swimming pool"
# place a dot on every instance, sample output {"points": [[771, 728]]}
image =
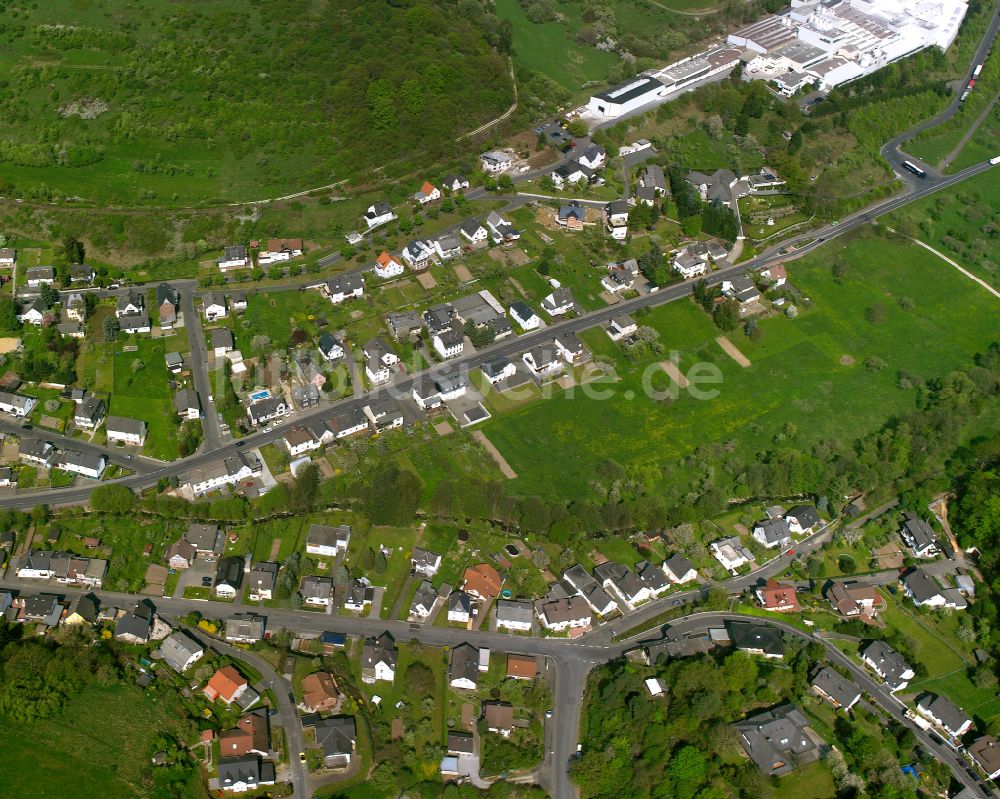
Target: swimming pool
{"points": [[259, 395]]}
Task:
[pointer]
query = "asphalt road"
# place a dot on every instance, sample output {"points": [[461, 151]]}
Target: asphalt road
{"points": [[892, 151], [199, 369], [512, 347]]}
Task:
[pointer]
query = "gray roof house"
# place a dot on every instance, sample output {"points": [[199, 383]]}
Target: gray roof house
{"points": [[515, 614], [180, 651], [246, 773], [945, 713], [919, 535], [778, 740], [838, 690], [337, 737], [888, 664], [757, 639], [463, 670]]}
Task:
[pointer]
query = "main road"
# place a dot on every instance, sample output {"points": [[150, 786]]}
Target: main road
{"points": [[789, 249]]}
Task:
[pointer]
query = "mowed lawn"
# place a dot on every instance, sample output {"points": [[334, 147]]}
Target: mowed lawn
{"points": [[799, 374], [145, 394], [98, 748]]}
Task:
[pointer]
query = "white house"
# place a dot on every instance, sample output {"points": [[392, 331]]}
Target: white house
{"points": [[428, 193], [498, 369], [451, 386], [426, 394], [772, 533], [569, 346], [330, 347], [558, 302], [33, 313], [264, 410], [455, 182], [317, 591], [299, 440], [503, 232], [449, 343], [617, 280], [560, 615], [378, 659], [379, 360], [129, 304], [379, 213], [82, 463], [593, 156], [472, 230], [923, 590], [524, 316], [688, 265], [121, 430], [447, 247], [679, 570], [418, 254], [234, 257], [8, 257], [944, 713], [514, 615], [616, 218], [888, 664], [180, 651], [731, 553], [344, 287], [425, 562], [802, 519], [328, 541], [463, 670], [460, 607], [621, 327], [386, 266], [543, 359], [495, 162], [571, 173], [280, 250], [37, 276], [16, 404], [215, 306]]}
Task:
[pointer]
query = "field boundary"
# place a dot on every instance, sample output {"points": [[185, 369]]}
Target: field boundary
{"points": [[500, 460]]}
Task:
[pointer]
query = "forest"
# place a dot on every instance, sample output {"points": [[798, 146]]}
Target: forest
{"points": [[191, 102]]}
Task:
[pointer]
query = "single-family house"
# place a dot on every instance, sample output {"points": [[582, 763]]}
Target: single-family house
{"points": [[329, 347], [888, 664], [425, 394], [180, 651], [463, 669], [214, 305], [689, 266], [524, 316], [622, 583], [168, 300], [242, 774], [136, 626], [359, 595], [617, 280], [498, 369], [559, 302], [447, 246], [944, 713], [499, 718], [653, 579], [237, 301], [835, 689], [33, 312], [522, 667], [418, 254], [923, 589], [234, 256], [731, 553], [571, 217], [386, 266], [985, 752], [130, 303], [775, 275], [851, 599], [316, 591], [266, 409], [379, 360], [543, 359], [279, 250], [474, 231], [756, 639], [501, 230], [593, 156], [221, 339], [345, 287], [379, 213], [320, 693], [449, 343], [428, 193], [175, 363], [919, 536], [652, 177], [121, 430], [425, 562], [83, 463], [337, 739], [404, 324], [571, 173], [135, 324], [262, 580], [570, 613], [300, 440], [802, 519], [423, 601], [76, 308], [772, 533], [378, 659], [482, 581], [251, 736], [514, 614], [778, 597], [717, 186], [616, 218], [460, 607], [181, 554], [8, 257], [569, 346], [779, 740], [679, 569], [229, 577], [245, 628], [455, 183], [187, 404], [37, 276], [89, 414], [208, 539]]}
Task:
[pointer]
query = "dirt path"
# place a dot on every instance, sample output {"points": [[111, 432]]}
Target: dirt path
{"points": [[960, 268], [501, 462], [675, 374], [503, 116], [943, 164], [275, 548], [730, 349]]}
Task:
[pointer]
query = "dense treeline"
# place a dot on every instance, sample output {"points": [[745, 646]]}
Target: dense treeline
{"points": [[297, 91], [682, 745]]}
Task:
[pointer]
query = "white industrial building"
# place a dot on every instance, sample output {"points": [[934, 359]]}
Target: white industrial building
{"points": [[627, 97]]}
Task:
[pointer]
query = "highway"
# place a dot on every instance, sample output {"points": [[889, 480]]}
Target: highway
{"points": [[512, 347]]}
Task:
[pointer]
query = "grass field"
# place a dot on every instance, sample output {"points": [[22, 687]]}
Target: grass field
{"points": [[549, 47], [99, 748], [963, 226], [145, 395], [797, 380]]}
